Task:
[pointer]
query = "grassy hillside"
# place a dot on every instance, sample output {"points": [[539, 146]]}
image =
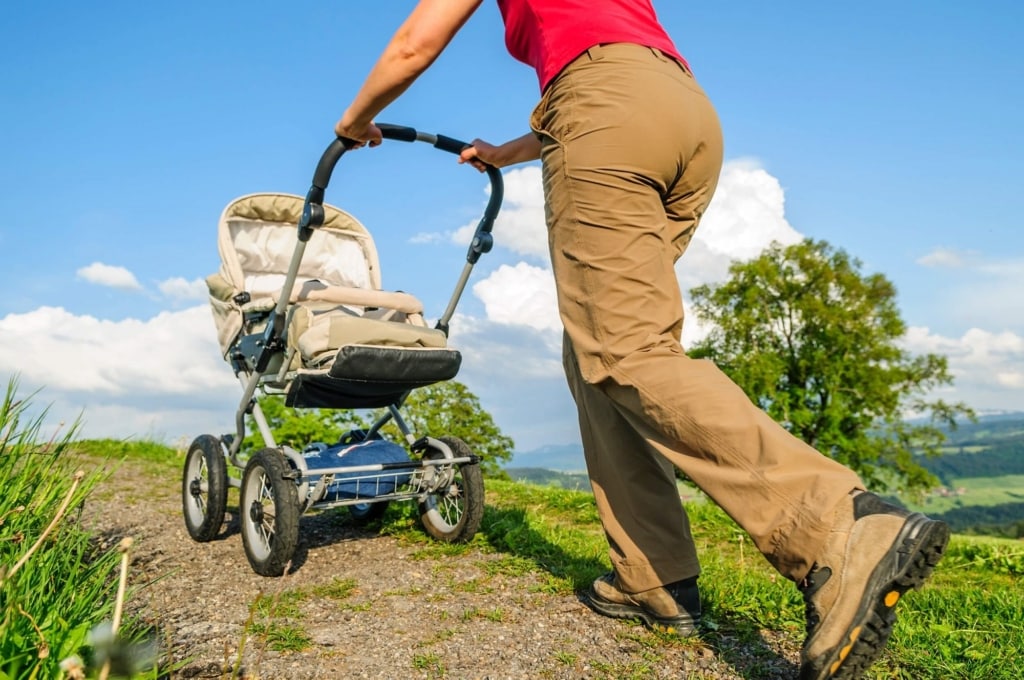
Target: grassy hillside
{"points": [[982, 474], [964, 624]]}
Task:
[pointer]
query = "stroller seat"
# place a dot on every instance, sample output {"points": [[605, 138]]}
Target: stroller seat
{"points": [[349, 343]]}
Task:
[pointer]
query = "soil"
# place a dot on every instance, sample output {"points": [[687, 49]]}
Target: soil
{"points": [[364, 605]]}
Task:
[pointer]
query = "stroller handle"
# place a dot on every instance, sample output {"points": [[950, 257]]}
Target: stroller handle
{"points": [[313, 212], [313, 208]]}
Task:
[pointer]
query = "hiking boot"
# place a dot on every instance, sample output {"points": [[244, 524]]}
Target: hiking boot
{"points": [[874, 553], [674, 608]]}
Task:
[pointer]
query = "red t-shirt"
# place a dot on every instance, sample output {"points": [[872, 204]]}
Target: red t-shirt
{"points": [[548, 34]]}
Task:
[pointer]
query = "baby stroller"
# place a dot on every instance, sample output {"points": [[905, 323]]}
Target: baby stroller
{"points": [[300, 313]]}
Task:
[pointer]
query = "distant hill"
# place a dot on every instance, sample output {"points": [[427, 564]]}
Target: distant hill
{"points": [[990, 427], [560, 457], [982, 472], [575, 481]]}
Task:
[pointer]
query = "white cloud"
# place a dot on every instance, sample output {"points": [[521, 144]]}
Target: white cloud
{"points": [[495, 350], [987, 367], [521, 294], [520, 226], [124, 374], [427, 237], [516, 371], [747, 212], [945, 258], [183, 290], [746, 215], [109, 275], [972, 290]]}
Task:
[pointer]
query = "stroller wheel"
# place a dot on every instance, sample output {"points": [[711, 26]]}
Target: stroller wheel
{"points": [[453, 514], [269, 513], [204, 488], [363, 513]]}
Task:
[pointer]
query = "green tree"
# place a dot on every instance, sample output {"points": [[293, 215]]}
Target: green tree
{"points": [[818, 346], [445, 408], [299, 427], [450, 408]]}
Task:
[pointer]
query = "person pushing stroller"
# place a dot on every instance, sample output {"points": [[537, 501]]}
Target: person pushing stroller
{"points": [[631, 150]]}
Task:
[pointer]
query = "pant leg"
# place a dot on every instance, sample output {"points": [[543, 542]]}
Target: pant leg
{"points": [[631, 155], [648, 533]]}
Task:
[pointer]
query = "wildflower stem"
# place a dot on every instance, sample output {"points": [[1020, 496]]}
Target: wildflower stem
{"points": [[56, 518], [122, 583]]}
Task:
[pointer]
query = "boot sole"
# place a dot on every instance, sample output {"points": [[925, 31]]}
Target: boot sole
{"points": [[921, 542], [683, 626]]}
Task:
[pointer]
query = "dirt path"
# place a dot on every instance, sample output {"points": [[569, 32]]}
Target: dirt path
{"points": [[370, 606]]}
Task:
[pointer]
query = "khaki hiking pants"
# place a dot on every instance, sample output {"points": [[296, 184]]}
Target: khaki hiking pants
{"points": [[631, 151]]}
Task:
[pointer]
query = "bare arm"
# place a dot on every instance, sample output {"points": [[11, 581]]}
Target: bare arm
{"points": [[414, 47], [518, 150]]}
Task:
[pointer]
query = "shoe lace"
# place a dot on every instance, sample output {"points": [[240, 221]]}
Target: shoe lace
{"points": [[810, 587]]}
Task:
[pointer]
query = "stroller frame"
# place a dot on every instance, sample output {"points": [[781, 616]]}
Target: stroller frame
{"points": [[278, 483]]}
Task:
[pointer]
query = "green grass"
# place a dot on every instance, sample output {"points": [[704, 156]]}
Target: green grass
{"points": [[280, 636], [966, 623], [431, 663], [55, 584], [159, 455], [338, 589], [275, 621]]}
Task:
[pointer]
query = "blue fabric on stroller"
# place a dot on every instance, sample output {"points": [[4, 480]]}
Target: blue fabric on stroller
{"points": [[365, 484]]}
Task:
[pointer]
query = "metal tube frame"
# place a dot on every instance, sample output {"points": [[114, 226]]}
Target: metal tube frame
{"points": [[277, 325]]}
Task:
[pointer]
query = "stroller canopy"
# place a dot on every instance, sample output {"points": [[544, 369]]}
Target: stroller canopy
{"points": [[256, 238]]}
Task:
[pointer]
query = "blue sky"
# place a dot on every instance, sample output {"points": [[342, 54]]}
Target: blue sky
{"points": [[891, 130]]}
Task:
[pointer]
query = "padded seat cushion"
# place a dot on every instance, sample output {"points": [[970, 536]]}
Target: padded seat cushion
{"points": [[337, 330]]}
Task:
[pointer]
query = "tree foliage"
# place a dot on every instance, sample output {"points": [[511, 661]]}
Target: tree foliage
{"points": [[299, 427], [817, 345], [450, 408], [443, 409]]}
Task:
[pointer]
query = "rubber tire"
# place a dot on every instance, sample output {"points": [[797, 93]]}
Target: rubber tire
{"points": [[364, 513], [203, 519], [470, 483], [270, 537]]}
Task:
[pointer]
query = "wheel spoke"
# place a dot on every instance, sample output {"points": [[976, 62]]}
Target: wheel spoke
{"points": [[450, 505], [266, 501]]}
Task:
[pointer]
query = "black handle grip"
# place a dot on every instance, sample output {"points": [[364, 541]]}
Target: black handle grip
{"points": [[339, 146], [330, 158], [313, 212], [397, 132], [450, 144]]}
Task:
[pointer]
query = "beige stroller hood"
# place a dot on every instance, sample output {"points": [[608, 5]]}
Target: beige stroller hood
{"points": [[256, 237]]}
